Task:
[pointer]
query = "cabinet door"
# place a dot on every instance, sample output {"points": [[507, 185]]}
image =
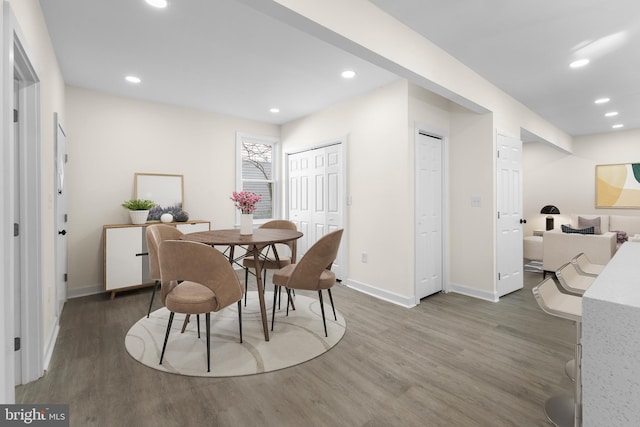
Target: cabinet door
{"points": [[193, 228], [123, 257]]}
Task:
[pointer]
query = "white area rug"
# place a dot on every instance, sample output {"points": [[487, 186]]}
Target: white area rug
{"points": [[295, 339]]}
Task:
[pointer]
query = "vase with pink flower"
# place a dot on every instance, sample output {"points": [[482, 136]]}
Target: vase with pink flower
{"points": [[245, 202]]}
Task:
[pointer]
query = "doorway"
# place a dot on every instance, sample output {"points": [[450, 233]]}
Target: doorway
{"points": [[429, 218], [509, 223], [315, 201], [24, 190]]}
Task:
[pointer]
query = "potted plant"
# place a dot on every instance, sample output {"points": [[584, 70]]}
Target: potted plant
{"points": [[138, 209]]}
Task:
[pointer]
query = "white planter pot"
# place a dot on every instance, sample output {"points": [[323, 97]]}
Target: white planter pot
{"points": [[246, 224], [139, 217]]}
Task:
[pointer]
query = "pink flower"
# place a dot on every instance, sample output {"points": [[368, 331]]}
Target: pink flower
{"points": [[246, 201]]}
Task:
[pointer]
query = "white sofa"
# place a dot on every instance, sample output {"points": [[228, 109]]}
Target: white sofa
{"points": [[558, 248]]}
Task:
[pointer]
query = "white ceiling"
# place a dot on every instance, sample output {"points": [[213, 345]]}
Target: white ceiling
{"points": [[226, 57]]}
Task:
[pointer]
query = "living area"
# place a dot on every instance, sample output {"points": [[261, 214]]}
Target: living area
{"points": [[567, 181]]}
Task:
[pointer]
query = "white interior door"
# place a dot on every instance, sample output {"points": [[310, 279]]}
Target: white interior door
{"points": [[316, 196], [509, 223], [61, 216], [428, 238], [17, 284]]}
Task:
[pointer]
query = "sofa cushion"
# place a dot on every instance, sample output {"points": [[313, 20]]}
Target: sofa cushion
{"points": [[593, 222], [586, 230], [627, 223], [604, 221]]}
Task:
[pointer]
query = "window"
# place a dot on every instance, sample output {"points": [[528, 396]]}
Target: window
{"points": [[257, 169]]}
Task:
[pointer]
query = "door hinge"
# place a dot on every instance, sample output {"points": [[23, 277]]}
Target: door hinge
{"points": [[498, 214], [15, 116], [66, 278], [16, 344], [66, 158], [66, 217], [498, 155], [499, 276], [16, 229]]}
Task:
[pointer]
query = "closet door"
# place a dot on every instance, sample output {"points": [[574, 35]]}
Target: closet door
{"points": [[316, 196]]}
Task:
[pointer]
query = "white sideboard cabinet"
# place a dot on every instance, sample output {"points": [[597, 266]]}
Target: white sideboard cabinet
{"points": [[126, 259]]}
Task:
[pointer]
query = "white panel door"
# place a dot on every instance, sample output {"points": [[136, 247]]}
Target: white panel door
{"points": [[316, 196], [299, 203], [509, 224], [429, 243], [61, 217], [334, 189]]}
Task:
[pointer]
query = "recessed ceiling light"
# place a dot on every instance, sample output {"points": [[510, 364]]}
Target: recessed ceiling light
{"points": [[602, 100], [611, 114], [160, 4], [133, 79], [274, 110], [348, 74], [618, 126], [579, 63]]}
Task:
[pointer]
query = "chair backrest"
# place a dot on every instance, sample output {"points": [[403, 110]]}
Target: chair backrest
{"points": [[572, 281], [156, 234], [318, 258], [284, 224], [181, 260], [586, 267], [555, 303]]}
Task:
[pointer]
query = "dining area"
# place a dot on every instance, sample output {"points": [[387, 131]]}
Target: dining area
{"points": [[200, 273]]}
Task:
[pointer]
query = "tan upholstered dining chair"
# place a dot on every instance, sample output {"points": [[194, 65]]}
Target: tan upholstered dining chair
{"points": [[155, 234], [269, 262], [197, 279], [313, 273]]}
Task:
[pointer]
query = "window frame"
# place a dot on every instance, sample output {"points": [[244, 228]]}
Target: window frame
{"points": [[275, 171]]}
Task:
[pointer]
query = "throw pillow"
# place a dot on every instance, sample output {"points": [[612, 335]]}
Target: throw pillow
{"points": [[595, 223], [587, 230], [621, 236]]}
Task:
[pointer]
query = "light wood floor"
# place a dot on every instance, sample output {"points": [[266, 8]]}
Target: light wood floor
{"points": [[451, 361]]}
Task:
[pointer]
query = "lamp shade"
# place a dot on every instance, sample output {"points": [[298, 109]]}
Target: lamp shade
{"points": [[549, 209]]}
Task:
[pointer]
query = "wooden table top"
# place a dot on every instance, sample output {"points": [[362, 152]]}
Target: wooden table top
{"points": [[263, 236]]}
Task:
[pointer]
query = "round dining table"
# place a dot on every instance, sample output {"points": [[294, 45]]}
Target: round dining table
{"points": [[253, 243]]}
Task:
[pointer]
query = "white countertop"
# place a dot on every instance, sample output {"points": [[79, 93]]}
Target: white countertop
{"points": [[611, 343], [619, 282]]}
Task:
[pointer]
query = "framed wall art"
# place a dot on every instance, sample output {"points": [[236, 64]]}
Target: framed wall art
{"points": [[165, 190], [618, 186]]}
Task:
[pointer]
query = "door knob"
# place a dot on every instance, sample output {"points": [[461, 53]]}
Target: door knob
{"points": [[63, 232], [523, 221]]}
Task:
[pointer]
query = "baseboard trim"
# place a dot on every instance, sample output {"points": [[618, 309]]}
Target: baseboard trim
{"points": [[382, 294], [86, 291], [472, 292], [51, 344]]}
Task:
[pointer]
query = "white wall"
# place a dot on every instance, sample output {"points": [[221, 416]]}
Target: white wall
{"points": [[380, 127], [472, 229], [111, 138], [567, 180]]}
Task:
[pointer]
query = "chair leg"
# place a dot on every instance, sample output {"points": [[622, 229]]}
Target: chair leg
{"points": [[273, 311], [184, 325], [246, 284], [153, 294], [289, 302], [208, 327], [240, 319], [332, 306], [324, 321], [166, 337], [198, 322]]}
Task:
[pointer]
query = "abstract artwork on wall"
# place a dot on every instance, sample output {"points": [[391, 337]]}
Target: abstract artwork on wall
{"points": [[618, 186]]}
